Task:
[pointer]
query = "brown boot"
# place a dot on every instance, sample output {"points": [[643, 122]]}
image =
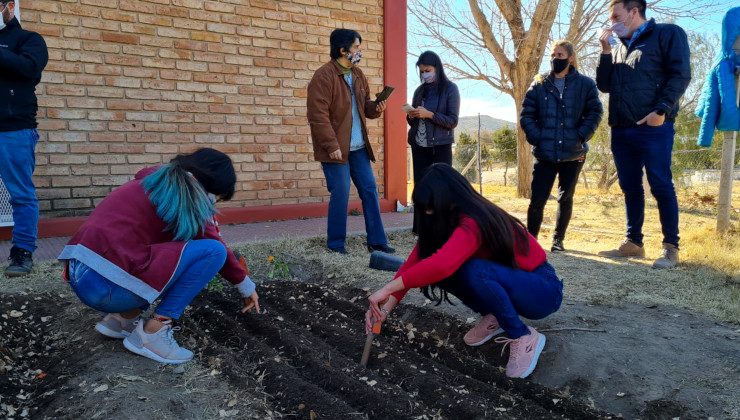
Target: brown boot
{"points": [[669, 258], [626, 249]]}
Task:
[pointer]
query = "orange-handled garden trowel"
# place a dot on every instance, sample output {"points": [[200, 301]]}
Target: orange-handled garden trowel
{"points": [[369, 343]]}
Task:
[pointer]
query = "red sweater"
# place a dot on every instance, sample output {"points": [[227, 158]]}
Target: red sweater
{"points": [[466, 242]]}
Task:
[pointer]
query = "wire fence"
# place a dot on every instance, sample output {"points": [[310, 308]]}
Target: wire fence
{"points": [[696, 172]]}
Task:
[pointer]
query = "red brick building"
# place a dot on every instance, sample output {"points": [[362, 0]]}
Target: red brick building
{"points": [[132, 83]]}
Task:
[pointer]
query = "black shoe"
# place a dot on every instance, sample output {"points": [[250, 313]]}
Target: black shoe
{"points": [[381, 248], [21, 262], [341, 250], [557, 245]]}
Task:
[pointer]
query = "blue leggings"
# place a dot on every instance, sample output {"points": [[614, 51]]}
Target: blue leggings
{"points": [[200, 262], [492, 288]]}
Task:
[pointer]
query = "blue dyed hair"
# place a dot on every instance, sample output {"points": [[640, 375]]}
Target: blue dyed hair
{"points": [[181, 201]]}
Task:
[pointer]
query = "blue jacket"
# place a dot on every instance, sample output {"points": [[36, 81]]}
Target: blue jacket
{"points": [[23, 56], [446, 108], [717, 107]]}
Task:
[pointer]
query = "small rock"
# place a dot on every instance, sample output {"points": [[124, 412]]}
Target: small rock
{"points": [[16, 314], [621, 394], [179, 369], [101, 388]]}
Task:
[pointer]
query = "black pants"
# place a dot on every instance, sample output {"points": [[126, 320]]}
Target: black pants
{"points": [[543, 178], [424, 157]]}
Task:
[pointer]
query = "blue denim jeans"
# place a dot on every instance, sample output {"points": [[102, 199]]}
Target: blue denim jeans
{"points": [[648, 147], [488, 287], [200, 262], [17, 161], [338, 176]]}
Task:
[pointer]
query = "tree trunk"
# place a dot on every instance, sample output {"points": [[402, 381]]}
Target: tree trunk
{"points": [[523, 150], [506, 172]]}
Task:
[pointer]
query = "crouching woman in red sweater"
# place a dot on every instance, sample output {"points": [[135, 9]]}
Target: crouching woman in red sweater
{"points": [[474, 250], [155, 238]]}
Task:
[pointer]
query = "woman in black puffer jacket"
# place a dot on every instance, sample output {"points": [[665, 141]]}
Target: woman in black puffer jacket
{"points": [[559, 115]]}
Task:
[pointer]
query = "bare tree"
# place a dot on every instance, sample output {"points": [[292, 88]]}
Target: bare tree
{"points": [[502, 42]]}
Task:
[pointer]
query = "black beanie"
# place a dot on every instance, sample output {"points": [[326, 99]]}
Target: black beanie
{"points": [[213, 169]]}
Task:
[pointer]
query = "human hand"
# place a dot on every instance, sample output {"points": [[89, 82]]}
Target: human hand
{"points": [[652, 119], [336, 155], [380, 106], [421, 112], [251, 302], [606, 47]]}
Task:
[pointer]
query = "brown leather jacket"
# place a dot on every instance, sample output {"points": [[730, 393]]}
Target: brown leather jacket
{"points": [[329, 111]]}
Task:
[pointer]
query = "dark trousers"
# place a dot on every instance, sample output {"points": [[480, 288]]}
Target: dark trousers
{"points": [[424, 157], [649, 147], [543, 177], [508, 293]]}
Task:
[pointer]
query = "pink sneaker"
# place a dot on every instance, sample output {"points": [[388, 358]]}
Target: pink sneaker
{"points": [[523, 353], [486, 329]]}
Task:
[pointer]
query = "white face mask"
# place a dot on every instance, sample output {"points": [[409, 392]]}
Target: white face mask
{"points": [[2, 18], [428, 76]]}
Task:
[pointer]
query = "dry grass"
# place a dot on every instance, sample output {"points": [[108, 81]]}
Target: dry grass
{"points": [[707, 281]]}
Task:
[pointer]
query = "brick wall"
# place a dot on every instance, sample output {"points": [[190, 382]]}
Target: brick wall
{"points": [[131, 83]]}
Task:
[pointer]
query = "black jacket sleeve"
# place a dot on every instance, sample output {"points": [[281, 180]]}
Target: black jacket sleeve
{"points": [[677, 67], [604, 73], [29, 61], [592, 112], [528, 118], [448, 119]]}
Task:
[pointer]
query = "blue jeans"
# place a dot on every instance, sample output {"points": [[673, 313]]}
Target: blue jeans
{"points": [[488, 287], [648, 147], [200, 261], [17, 161], [338, 175]]}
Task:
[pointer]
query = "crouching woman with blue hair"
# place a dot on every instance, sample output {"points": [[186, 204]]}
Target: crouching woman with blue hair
{"points": [[155, 238]]}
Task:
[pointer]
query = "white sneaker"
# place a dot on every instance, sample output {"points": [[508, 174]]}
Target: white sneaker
{"points": [[159, 346], [116, 326]]}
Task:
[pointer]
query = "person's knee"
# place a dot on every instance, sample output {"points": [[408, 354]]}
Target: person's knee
{"points": [[217, 251]]}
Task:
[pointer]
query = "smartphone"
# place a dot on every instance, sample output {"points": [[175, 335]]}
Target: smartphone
{"points": [[407, 108], [382, 96]]}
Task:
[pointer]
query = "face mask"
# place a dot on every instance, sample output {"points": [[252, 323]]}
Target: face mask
{"points": [[621, 29], [559, 64], [355, 57], [429, 76], [2, 18]]}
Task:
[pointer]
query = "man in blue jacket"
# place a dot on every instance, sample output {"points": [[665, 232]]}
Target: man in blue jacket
{"points": [[23, 55], [645, 74]]}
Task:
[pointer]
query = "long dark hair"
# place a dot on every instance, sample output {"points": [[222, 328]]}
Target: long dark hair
{"points": [[441, 198], [430, 58]]}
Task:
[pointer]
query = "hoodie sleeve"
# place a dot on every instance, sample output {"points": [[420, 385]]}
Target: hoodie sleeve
{"points": [[708, 110]]}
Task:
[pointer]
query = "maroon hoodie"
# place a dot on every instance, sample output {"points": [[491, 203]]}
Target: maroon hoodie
{"points": [[125, 241]]}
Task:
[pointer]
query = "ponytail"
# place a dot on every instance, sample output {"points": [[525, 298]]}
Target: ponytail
{"points": [[181, 201]]}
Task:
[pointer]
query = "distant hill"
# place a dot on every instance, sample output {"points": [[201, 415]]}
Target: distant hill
{"points": [[487, 123]]}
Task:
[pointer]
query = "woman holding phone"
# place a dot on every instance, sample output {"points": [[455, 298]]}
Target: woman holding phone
{"points": [[433, 115]]}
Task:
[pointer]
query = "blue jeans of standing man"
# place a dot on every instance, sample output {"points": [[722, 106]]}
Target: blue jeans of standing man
{"points": [[17, 161], [200, 261], [488, 287], [338, 176], [646, 147]]}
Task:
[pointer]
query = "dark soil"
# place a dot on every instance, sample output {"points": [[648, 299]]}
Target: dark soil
{"points": [[307, 346]]}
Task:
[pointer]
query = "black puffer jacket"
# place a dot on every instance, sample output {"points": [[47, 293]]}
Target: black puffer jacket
{"points": [[559, 127], [650, 75], [440, 128], [23, 55]]}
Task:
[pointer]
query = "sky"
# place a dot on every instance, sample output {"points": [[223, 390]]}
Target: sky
{"points": [[479, 97]]}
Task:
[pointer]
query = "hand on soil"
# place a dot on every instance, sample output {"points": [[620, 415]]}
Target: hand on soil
{"points": [[250, 303]]}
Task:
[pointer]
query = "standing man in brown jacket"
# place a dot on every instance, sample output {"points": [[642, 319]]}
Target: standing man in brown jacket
{"points": [[338, 103]]}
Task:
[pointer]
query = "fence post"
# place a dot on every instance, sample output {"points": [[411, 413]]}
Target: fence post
{"points": [[480, 171], [728, 165]]}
